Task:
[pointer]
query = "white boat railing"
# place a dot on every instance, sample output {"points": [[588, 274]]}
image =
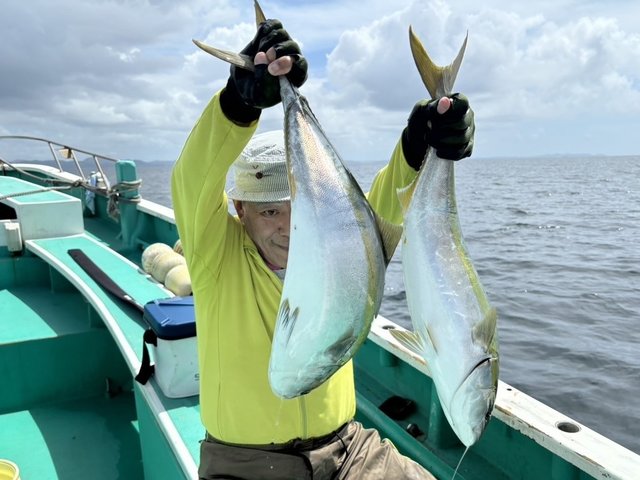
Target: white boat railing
{"points": [[61, 152]]}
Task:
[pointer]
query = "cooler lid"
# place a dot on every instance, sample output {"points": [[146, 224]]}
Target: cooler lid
{"points": [[171, 318]]}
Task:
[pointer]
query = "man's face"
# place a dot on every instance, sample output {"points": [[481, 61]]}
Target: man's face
{"points": [[267, 223]]}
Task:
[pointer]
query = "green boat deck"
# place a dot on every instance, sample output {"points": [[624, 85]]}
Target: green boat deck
{"points": [[66, 405], [94, 437], [68, 351]]}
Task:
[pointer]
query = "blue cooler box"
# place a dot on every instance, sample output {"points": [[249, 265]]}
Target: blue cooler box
{"points": [[172, 336], [171, 318]]}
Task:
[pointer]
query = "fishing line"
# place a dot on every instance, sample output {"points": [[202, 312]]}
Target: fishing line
{"points": [[459, 462]]}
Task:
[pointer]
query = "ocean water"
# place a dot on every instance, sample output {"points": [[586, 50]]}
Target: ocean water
{"points": [[556, 243]]}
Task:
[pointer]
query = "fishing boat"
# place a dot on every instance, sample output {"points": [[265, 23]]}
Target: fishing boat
{"points": [[70, 349]]}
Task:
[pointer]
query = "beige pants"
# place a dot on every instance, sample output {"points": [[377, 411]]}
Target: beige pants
{"points": [[353, 453]]}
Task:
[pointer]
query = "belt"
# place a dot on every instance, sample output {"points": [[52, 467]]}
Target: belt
{"points": [[297, 444]]}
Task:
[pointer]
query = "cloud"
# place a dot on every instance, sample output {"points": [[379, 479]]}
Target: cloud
{"points": [[519, 71], [97, 68], [539, 79], [550, 86]]}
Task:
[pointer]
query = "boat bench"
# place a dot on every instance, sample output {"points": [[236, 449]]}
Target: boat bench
{"points": [[173, 423], [49, 213]]}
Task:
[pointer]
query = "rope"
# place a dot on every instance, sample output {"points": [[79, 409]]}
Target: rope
{"points": [[114, 193], [127, 186], [115, 196]]}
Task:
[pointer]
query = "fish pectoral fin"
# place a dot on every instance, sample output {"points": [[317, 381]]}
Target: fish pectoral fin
{"points": [[409, 340], [405, 194], [390, 234], [484, 332]]}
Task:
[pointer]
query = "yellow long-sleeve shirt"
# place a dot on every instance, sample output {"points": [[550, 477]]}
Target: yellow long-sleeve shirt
{"points": [[237, 297]]}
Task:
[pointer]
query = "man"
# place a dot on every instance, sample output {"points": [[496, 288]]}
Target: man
{"points": [[237, 265]]}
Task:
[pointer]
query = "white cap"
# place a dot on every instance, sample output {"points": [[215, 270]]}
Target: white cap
{"points": [[260, 172]]}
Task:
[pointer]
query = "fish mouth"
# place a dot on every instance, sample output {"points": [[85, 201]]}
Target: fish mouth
{"points": [[481, 377], [290, 384], [489, 363], [482, 362], [473, 401]]}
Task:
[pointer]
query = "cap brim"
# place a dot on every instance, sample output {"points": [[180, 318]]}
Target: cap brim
{"points": [[236, 194]]}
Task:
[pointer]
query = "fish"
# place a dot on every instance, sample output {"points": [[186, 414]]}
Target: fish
{"points": [[454, 324], [338, 253]]}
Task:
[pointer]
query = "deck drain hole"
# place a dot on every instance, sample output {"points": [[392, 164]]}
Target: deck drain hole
{"points": [[568, 427]]}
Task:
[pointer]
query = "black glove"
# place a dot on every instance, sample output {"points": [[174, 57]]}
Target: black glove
{"points": [[450, 133], [247, 92]]}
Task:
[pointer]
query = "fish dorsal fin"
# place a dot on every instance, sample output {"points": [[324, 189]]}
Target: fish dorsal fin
{"points": [[438, 80], [405, 194], [390, 234], [485, 330], [409, 340]]}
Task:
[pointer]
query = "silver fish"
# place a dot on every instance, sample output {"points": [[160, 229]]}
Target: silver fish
{"points": [[335, 274], [454, 325], [337, 258]]}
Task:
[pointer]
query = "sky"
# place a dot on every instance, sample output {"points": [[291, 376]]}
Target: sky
{"points": [[123, 78]]}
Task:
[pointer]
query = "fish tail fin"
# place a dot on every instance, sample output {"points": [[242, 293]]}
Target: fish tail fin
{"points": [[438, 80], [237, 59], [390, 234], [260, 16]]}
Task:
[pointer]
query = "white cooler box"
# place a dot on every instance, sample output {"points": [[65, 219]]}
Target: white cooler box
{"points": [[172, 336]]}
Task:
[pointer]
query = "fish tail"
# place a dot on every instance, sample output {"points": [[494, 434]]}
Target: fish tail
{"points": [[260, 16], [438, 79], [237, 59]]}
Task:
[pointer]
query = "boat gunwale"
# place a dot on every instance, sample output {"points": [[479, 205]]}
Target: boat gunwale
{"points": [[585, 448]]}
